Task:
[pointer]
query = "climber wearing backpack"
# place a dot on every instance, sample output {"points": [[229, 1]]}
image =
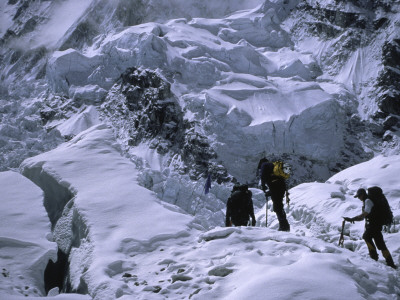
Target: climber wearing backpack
{"points": [[376, 212], [239, 208], [273, 176]]}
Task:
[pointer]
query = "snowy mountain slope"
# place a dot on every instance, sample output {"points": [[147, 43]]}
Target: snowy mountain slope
{"points": [[356, 43], [123, 243], [199, 59], [316, 208], [193, 88], [206, 62]]}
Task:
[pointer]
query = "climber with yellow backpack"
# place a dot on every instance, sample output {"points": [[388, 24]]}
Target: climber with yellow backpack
{"points": [[274, 175]]}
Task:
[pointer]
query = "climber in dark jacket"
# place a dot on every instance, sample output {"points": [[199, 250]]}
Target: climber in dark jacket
{"points": [[239, 208], [373, 230], [277, 188]]}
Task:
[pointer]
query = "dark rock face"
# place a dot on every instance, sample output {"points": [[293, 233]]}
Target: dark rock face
{"points": [[389, 78], [391, 53], [81, 36], [152, 109], [353, 30], [142, 106], [389, 102], [332, 23], [390, 122]]}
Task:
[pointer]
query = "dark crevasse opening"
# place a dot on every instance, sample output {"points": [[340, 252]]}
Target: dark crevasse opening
{"points": [[56, 199], [55, 273], [56, 196]]}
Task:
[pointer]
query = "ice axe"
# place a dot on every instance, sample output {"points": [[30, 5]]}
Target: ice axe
{"points": [[341, 239], [266, 207], [287, 199]]}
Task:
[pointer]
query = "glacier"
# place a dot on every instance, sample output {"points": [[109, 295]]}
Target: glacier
{"points": [[118, 110]]}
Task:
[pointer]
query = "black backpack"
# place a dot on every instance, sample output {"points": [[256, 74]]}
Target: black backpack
{"points": [[240, 204], [382, 213]]}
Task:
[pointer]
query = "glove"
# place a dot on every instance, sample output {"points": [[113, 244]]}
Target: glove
{"points": [[253, 222], [351, 220]]}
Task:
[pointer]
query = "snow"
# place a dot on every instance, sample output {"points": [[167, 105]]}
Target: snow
{"points": [[152, 250], [62, 17], [6, 19], [25, 235], [79, 122], [319, 206], [238, 76], [78, 166], [250, 78]]}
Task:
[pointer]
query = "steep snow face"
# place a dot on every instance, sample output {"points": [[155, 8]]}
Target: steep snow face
{"points": [[30, 24], [355, 43], [241, 96], [247, 77]]}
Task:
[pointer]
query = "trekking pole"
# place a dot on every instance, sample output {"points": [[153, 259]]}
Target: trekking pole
{"points": [[341, 239], [266, 211]]}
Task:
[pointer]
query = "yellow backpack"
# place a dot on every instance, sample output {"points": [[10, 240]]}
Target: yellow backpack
{"points": [[281, 169]]}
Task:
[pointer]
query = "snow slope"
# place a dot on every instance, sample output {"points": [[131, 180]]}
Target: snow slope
{"points": [[108, 213], [122, 242], [25, 236], [240, 92], [312, 82], [316, 208]]}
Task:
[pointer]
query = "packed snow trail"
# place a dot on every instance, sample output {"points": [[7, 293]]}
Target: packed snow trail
{"points": [[243, 262]]}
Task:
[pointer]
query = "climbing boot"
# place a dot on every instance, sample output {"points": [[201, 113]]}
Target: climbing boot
{"points": [[389, 259], [373, 254]]}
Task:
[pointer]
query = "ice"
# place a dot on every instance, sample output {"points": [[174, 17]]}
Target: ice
{"points": [[24, 248], [164, 256], [79, 122], [254, 78], [95, 236], [62, 17]]}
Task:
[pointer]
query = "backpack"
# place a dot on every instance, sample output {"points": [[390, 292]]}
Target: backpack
{"points": [[281, 169], [240, 204], [382, 213]]}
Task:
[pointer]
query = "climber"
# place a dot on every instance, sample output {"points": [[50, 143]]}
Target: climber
{"points": [[277, 187], [239, 207], [372, 213]]}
